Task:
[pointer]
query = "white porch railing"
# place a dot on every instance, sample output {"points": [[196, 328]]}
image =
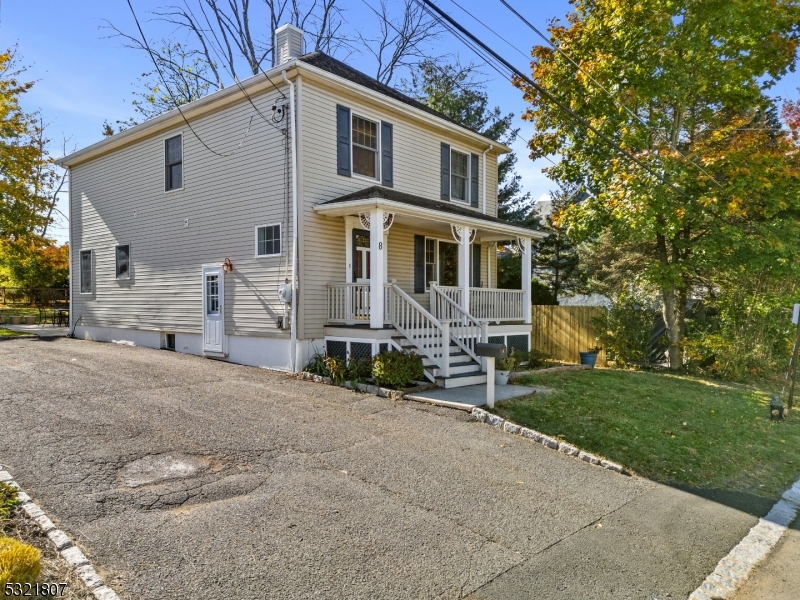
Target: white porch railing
{"points": [[489, 304], [465, 330], [427, 333], [348, 303]]}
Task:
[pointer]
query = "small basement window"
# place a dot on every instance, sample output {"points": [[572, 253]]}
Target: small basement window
{"points": [[169, 341], [123, 261], [268, 240], [86, 271], [173, 158]]}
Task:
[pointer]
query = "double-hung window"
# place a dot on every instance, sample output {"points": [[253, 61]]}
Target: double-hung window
{"points": [[365, 147], [459, 176], [86, 271], [268, 240], [123, 261], [173, 160]]}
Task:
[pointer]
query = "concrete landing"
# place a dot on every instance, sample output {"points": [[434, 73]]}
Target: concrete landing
{"points": [[467, 397]]}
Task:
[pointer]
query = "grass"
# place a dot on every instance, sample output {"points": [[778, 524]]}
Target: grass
{"points": [[11, 333], [669, 428]]}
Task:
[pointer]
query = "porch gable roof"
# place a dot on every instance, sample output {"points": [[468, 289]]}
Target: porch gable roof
{"points": [[411, 205]]}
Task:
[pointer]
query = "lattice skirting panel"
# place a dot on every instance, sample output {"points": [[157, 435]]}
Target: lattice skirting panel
{"points": [[520, 342], [354, 348]]}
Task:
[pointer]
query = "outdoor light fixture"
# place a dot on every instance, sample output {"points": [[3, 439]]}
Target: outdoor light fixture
{"points": [[227, 265], [776, 410]]}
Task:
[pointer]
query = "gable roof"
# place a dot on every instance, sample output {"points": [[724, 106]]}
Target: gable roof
{"points": [[337, 67]]}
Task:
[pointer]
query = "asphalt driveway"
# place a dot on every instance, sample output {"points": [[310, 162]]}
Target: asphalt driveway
{"points": [[188, 478]]}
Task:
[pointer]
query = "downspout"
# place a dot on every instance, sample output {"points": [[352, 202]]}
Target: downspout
{"points": [[494, 244], [293, 342], [71, 249], [485, 152]]}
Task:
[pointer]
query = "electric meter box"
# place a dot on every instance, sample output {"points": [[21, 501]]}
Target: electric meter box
{"points": [[285, 293]]}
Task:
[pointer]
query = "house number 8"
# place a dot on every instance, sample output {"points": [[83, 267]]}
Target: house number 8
{"points": [[380, 245]]}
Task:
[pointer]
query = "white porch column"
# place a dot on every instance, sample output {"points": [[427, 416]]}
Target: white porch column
{"points": [[527, 275], [377, 260], [463, 268]]}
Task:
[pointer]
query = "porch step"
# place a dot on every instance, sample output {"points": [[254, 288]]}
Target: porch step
{"points": [[461, 380]]}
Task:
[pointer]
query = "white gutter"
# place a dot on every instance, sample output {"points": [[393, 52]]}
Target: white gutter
{"points": [[71, 248], [293, 342], [484, 175]]}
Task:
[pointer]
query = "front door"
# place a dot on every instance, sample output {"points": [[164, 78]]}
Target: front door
{"points": [[213, 310]]}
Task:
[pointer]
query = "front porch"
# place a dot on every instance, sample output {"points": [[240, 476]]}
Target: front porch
{"points": [[439, 301]]}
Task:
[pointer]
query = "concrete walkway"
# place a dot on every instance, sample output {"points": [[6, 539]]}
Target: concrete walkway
{"points": [[467, 397], [778, 577], [45, 331]]}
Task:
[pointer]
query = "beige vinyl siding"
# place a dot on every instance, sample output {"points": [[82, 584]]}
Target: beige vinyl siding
{"points": [[416, 158], [224, 198]]}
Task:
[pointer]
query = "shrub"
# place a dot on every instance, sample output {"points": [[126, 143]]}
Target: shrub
{"points": [[19, 562], [359, 370], [625, 330], [336, 368], [8, 500], [316, 365], [397, 369]]}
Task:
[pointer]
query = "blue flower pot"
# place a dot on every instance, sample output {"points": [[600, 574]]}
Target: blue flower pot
{"points": [[588, 358]]}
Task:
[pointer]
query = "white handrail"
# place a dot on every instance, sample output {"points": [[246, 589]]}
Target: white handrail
{"points": [[348, 303], [465, 330], [430, 336]]}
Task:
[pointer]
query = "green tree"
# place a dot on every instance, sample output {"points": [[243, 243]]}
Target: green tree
{"points": [[683, 90], [555, 258]]}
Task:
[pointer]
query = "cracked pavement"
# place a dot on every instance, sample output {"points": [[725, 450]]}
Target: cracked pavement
{"points": [[183, 477]]}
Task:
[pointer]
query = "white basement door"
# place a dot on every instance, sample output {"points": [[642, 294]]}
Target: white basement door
{"points": [[213, 310]]}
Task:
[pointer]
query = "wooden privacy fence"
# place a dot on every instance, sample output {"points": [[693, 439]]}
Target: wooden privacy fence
{"points": [[564, 331]]}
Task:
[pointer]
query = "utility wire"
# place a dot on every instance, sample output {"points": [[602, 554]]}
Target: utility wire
{"points": [[175, 102], [453, 26], [598, 84]]}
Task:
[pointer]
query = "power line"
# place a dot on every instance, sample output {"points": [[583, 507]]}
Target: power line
{"points": [[598, 84], [453, 26], [172, 96]]}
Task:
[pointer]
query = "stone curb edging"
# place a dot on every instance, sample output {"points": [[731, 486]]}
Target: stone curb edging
{"points": [[62, 542], [484, 416], [368, 388], [733, 570]]}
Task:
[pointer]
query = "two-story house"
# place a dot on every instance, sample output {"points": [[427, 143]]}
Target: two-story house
{"points": [[308, 209]]}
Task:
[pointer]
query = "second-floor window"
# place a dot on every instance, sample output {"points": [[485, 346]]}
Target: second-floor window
{"points": [[459, 176], [173, 159], [365, 147]]}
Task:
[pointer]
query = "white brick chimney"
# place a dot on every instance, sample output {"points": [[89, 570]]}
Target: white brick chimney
{"points": [[288, 44]]}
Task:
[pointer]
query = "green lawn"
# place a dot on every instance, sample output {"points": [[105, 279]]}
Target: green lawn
{"points": [[10, 333], [672, 429]]}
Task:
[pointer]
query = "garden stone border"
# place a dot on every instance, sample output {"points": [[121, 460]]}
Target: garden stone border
{"points": [[370, 389], [733, 570], [62, 542], [484, 416]]}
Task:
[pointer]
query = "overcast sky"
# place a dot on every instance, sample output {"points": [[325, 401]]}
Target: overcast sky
{"points": [[84, 78]]}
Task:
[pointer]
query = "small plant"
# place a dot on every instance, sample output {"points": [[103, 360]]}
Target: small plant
{"points": [[397, 369], [359, 370], [508, 363], [316, 365], [595, 350], [19, 562], [8, 500], [336, 368]]}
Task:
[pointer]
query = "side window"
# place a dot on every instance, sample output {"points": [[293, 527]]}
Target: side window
{"points": [[173, 160], [123, 261], [86, 271], [268, 240]]}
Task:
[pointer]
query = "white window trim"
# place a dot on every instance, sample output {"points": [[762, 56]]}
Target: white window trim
{"points": [[164, 164], [80, 271], [116, 266], [280, 245], [436, 256], [379, 149], [469, 175]]}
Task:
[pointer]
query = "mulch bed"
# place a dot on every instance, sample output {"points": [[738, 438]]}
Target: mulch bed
{"points": [[54, 568]]}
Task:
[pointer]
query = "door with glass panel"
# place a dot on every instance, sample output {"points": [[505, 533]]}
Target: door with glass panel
{"points": [[213, 310], [361, 274]]}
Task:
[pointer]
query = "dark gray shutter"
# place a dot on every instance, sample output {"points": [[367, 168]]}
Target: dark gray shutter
{"points": [[473, 189], [343, 140], [445, 172], [419, 264], [387, 168], [476, 265]]}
